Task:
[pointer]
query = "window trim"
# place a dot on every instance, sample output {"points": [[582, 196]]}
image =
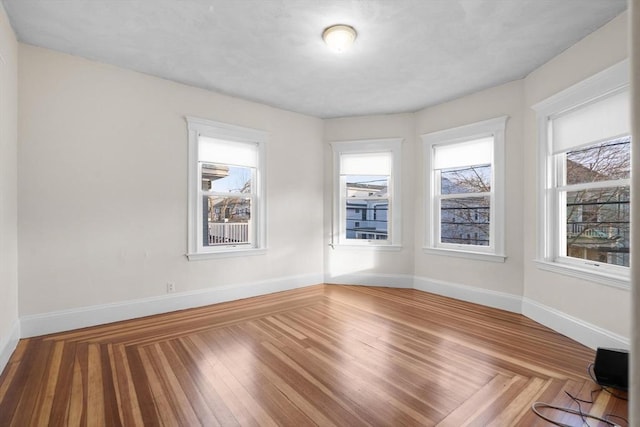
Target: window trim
{"points": [[496, 128], [392, 145], [607, 82], [196, 127]]}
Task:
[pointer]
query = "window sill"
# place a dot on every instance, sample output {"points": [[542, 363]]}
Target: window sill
{"points": [[389, 248], [226, 254], [480, 256], [602, 277]]}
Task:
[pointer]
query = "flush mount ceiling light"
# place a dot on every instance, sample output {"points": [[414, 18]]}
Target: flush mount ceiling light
{"points": [[339, 37]]}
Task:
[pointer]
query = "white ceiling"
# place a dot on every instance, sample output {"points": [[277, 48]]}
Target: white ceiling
{"points": [[409, 54]]}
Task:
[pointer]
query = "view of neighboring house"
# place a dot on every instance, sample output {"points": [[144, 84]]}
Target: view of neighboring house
{"points": [[597, 215], [598, 218], [226, 218], [598, 227], [367, 211], [464, 220]]}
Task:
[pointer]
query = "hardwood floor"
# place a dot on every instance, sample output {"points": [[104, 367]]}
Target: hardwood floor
{"points": [[324, 355]]}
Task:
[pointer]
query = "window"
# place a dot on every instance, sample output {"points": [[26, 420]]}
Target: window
{"points": [[593, 191], [366, 193], [465, 190], [226, 189], [585, 165]]}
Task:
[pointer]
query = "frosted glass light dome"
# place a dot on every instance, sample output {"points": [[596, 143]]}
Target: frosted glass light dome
{"points": [[339, 37]]}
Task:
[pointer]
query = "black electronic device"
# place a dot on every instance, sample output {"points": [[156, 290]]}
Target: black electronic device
{"points": [[611, 368]]}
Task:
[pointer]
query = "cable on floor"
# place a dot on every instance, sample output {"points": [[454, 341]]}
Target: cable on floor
{"points": [[537, 405], [590, 372], [584, 416]]}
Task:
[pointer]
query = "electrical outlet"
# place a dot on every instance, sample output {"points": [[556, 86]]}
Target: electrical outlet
{"points": [[171, 287]]}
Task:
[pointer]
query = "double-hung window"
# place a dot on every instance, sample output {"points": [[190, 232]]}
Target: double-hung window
{"points": [[366, 193], [226, 189], [585, 170], [465, 190]]}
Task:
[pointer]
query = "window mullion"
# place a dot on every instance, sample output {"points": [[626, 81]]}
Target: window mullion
{"points": [[223, 194], [596, 185], [466, 195]]}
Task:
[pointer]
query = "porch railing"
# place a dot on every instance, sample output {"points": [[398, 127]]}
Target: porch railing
{"points": [[602, 232], [224, 233]]}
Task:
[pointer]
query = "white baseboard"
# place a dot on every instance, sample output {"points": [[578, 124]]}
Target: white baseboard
{"points": [[404, 281], [585, 333], [46, 323], [8, 344], [488, 297], [65, 320]]}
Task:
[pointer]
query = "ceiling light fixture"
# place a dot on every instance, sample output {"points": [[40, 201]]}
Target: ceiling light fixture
{"points": [[339, 37]]}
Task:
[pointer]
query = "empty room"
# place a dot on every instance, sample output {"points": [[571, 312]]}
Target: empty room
{"points": [[331, 213]]}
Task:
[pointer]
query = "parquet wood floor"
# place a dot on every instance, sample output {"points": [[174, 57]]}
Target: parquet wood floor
{"points": [[323, 355]]}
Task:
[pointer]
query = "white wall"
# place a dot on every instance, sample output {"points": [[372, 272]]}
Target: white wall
{"points": [[103, 188], [504, 100], [411, 267], [102, 177], [9, 326], [595, 314], [495, 284], [366, 266], [596, 304]]}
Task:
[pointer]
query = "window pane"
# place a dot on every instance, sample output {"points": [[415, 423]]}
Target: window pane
{"points": [[226, 179], [367, 219], [601, 162], [598, 225], [465, 221], [470, 179], [367, 186], [226, 220]]}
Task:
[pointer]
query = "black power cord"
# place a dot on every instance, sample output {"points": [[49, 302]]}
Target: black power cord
{"points": [[590, 372], [584, 416]]}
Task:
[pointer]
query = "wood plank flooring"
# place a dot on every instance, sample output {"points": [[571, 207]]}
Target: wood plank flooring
{"points": [[323, 355]]}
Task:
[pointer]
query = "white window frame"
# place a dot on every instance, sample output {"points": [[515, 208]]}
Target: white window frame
{"points": [[605, 83], [394, 215], [488, 128], [202, 127]]}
